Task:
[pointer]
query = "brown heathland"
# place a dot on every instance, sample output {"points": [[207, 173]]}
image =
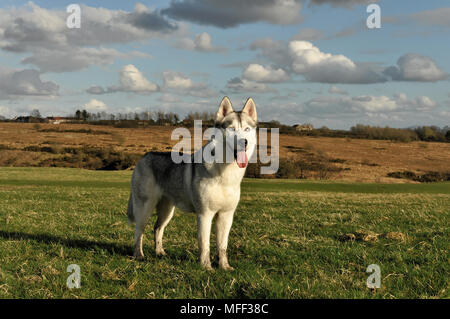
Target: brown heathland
{"points": [[361, 160]]}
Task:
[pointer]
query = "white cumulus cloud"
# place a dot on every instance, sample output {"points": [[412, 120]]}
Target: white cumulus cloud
{"points": [[95, 106], [131, 80], [317, 66], [15, 84], [259, 73], [43, 36], [182, 84], [306, 59], [369, 103], [176, 80], [5, 111], [416, 67]]}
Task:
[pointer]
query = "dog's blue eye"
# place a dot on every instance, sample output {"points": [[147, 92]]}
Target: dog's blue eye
{"points": [[230, 129]]}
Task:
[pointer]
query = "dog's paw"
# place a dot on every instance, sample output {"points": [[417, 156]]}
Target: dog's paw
{"points": [[226, 267], [160, 253], [207, 266], [138, 257]]}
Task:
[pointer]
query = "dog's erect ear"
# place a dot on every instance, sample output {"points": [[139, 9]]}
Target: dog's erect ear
{"points": [[225, 108], [250, 109]]}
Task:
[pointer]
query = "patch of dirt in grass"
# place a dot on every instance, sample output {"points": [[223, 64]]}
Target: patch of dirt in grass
{"points": [[371, 236], [394, 236]]}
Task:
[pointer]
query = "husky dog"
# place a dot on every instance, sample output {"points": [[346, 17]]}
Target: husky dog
{"points": [[207, 188]]}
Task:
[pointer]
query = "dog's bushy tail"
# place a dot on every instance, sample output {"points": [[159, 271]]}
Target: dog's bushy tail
{"points": [[130, 213]]}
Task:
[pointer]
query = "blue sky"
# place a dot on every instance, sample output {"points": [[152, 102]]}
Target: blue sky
{"points": [[302, 61]]}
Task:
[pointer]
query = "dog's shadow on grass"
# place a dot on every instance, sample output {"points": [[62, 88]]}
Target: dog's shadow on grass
{"points": [[112, 248]]}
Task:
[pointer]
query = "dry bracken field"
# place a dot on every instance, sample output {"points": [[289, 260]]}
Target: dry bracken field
{"points": [[27, 144]]}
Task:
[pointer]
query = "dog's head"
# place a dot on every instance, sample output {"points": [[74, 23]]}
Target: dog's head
{"points": [[238, 130]]}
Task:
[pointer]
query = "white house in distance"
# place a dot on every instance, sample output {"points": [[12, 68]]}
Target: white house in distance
{"points": [[57, 119]]}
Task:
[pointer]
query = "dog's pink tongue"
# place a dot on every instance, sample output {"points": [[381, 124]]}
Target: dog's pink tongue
{"points": [[242, 159]]}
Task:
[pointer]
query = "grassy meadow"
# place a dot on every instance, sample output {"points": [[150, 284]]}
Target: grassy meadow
{"points": [[290, 239]]}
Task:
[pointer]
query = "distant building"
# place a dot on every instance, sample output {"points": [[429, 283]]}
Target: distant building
{"points": [[57, 119], [303, 127], [29, 119]]}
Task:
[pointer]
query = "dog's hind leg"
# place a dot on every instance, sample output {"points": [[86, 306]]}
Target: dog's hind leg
{"points": [[164, 210], [142, 211]]}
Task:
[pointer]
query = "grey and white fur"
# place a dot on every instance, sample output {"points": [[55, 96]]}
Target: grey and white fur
{"points": [[206, 189]]}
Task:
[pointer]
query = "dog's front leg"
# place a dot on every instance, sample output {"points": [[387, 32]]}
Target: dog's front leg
{"points": [[204, 222], [223, 226]]}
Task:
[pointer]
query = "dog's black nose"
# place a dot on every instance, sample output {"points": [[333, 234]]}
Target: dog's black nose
{"points": [[242, 143]]}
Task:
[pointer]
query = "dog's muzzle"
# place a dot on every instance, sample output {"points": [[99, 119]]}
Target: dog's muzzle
{"points": [[240, 153]]}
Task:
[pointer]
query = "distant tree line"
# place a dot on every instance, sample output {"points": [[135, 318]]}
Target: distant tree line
{"points": [[135, 119], [421, 133], [150, 117]]}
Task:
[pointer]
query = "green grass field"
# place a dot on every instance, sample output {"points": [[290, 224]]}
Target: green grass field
{"points": [[286, 242]]}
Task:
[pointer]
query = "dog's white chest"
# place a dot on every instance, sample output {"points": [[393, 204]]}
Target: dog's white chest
{"points": [[219, 197], [227, 197]]}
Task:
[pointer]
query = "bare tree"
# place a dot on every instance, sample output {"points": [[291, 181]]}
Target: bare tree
{"points": [[35, 113]]}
